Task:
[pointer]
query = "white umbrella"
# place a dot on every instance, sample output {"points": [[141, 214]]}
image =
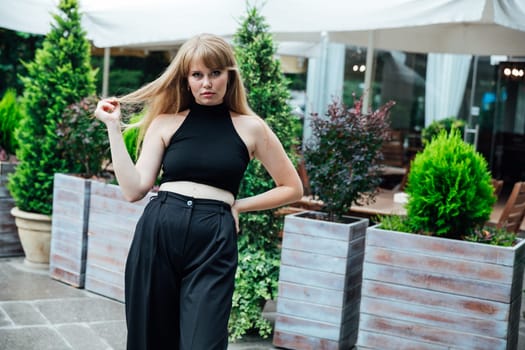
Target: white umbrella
{"points": [[460, 26]]}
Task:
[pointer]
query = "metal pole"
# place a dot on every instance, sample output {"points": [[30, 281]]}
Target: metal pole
{"points": [[105, 76], [368, 72]]}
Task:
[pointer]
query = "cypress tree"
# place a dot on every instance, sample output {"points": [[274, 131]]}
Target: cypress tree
{"points": [[59, 75], [259, 252]]}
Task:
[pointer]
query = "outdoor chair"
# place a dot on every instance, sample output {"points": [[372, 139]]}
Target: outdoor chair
{"points": [[498, 186], [514, 210]]}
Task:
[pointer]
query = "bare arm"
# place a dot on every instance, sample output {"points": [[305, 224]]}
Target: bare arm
{"points": [[288, 186], [135, 180]]}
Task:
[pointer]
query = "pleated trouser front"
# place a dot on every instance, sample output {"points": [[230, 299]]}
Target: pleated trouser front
{"points": [[180, 275]]}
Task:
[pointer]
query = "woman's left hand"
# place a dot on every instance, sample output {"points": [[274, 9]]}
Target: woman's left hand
{"points": [[235, 215]]}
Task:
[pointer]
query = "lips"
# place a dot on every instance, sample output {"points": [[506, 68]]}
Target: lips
{"points": [[207, 94]]}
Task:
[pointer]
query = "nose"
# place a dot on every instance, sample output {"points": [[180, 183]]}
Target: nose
{"points": [[207, 81]]}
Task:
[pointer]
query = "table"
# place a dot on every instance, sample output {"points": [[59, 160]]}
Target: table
{"points": [[384, 205]]}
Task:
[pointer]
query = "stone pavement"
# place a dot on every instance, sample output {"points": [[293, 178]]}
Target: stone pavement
{"points": [[39, 313]]}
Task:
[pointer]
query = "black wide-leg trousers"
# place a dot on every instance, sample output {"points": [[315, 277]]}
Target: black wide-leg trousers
{"points": [[180, 275]]}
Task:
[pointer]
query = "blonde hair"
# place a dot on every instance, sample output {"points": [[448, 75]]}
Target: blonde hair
{"points": [[169, 93]]}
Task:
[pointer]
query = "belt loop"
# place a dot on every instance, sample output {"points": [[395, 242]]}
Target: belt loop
{"points": [[163, 196]]}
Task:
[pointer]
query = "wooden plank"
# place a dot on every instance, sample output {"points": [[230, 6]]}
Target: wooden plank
{"points": [[103, 288], [311, 294], [321, 313], [379, 341], [308, 327], [304, 342], [315, 245], [294, 223], [435, 263], [444, 247], [436, 282], [439, 301], [425, 334], [312, 278], [428, 316], [314, 261]]}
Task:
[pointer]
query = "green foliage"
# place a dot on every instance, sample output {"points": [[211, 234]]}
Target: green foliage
{"points": [[131, 135], [255, 282], [10, 114], [83, 139], [493, 236], [449, 188], [267, 95], [59, 75], [394, 223], [15, 47], [435, 128], [343, 156]]}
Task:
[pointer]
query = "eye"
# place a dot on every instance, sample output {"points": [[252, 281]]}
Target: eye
{"points": [[216, 73], [196, 74]]}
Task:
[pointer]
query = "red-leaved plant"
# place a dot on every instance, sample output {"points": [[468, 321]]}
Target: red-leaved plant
{"points": [[343, 156]]}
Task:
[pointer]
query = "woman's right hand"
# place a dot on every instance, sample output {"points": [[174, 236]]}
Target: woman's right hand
{"points": [[108, 111]]}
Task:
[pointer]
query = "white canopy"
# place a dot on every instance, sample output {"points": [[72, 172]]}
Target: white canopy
{"points": [[459, 26]]}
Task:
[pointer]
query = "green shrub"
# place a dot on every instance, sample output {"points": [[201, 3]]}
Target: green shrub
{"points": [[83, 139], [259, 254], [449, 187], [435, 128], [343, 157], [10, 115], [59, 75]]}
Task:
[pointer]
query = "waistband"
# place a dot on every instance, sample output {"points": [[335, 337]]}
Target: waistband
{"points": [[188, 201]]}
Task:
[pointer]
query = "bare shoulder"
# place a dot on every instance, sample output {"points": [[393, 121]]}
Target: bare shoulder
{"points": [[249, 123], [165, 125]]}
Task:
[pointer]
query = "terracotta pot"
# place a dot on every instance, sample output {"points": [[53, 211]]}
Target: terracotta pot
{"points": [[34, 231]]}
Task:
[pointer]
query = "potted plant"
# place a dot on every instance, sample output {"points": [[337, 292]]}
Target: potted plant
{"points": [[322, 251], [10, 114], [59, 75], [428, 280]]}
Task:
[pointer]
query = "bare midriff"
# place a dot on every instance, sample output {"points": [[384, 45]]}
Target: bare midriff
{"points": [[197, 190]]}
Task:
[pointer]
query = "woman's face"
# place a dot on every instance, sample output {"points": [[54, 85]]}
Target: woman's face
{"points": [[208, 85]]}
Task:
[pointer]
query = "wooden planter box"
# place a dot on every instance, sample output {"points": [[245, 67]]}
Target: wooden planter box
{"points": [[319, 283], [111, 225], [422, 292], [9, 241], [67, 261]]}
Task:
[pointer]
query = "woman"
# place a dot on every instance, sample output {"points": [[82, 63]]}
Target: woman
{"points": [[200, 131]]}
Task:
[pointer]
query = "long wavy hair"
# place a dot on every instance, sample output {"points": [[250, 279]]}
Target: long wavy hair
{"points": [[170, 94]]}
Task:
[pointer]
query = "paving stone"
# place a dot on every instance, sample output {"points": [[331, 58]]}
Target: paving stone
{"points": [[114, 333], [73, 310], [4, 319], [18, 283], [81, 337], [23, 314], [32, 338]]}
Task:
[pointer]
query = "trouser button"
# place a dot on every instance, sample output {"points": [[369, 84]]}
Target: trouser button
{"points": [[189, 203]]}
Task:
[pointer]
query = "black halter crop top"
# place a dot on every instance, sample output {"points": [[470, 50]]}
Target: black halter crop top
{"points": [[206, 149]]}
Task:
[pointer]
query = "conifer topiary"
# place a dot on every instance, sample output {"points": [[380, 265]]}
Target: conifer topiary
{"points": [[259, 255], [449, 187], [59, 75]]}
